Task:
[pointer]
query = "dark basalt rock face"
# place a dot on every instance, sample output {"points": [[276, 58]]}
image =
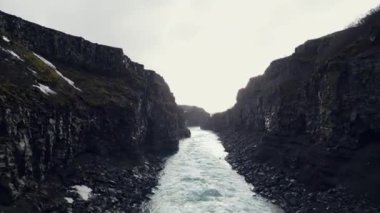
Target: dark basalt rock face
{"points": [[66, 48], [312, 118], [195, 116], [95, 103]]}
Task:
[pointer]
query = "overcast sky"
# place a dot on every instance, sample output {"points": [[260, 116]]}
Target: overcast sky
{"points": [[205, 49]]}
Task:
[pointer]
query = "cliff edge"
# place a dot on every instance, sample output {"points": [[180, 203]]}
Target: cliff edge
{"points": [[307, 131], [74, 113]]}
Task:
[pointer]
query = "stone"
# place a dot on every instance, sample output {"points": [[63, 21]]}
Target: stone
{"points": [[314, 117], [48, 143]]}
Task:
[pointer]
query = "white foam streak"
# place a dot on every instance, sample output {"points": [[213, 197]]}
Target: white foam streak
{"points": [[198, 179]]}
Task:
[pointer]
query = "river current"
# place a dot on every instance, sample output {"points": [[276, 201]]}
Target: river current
{"points": [[198, 179]]}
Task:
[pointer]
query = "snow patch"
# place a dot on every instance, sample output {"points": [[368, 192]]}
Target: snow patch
{"points": [[31, 70], [12, 53], [69, 200], [58, 72], [45, 61], [6, 39], [45, 89], [68, 80], [83, 191]]}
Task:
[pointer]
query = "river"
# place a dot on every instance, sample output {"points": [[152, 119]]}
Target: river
{"points": [[198, 179]]}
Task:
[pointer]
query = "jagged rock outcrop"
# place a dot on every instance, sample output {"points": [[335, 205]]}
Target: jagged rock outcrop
{"points": [[195, 116], [312, 117], [62, 98]]}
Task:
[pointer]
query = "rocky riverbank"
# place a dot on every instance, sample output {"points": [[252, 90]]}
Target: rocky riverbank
{"points": [[114, 184], [283, 189]]}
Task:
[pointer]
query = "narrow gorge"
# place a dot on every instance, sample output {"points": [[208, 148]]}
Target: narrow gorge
{"points": [[83, 128]]}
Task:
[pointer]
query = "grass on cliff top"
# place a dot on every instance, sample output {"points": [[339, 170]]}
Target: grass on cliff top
{"points": [[18, 77], [45, 73], [97, 90]]}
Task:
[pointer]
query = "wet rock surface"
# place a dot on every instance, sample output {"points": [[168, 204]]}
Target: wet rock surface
{"points": [[306, 132]]}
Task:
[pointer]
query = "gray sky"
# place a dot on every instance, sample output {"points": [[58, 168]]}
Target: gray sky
{"points": [[205, 49]]}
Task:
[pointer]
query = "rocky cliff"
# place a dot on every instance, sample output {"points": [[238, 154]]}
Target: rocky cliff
{"points": [[71, 112], [195, 116], [307, 131]]}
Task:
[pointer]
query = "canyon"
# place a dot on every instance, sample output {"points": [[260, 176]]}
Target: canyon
{"points": [[83, 128]]}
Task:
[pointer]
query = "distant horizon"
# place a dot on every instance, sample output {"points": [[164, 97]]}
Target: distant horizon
{"points": [[206, 50]]}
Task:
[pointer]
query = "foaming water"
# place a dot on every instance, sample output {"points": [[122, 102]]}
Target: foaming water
{"points": [[198, 179]]}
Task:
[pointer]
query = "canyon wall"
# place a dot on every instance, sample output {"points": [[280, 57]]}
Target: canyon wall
{"points": [[62, 97], [313, 116]]}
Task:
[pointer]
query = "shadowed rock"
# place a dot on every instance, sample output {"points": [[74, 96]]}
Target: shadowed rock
{"points": [[104, 122], [312, 117], [195, 116]]}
